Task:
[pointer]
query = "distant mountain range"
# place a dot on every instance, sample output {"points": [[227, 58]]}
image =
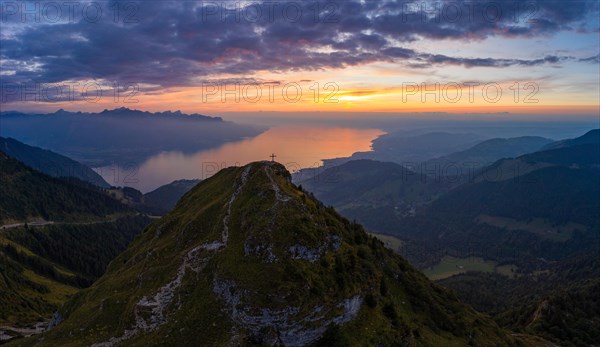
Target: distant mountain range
{"points": [[407, 150], [375, 193], [590, 138], [120, 112], [246, 258], [543, 204], [380, 194], [484, 154], [121, 136], [50, 163], [580, 152]]}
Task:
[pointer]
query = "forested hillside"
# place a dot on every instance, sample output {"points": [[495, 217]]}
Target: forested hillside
{"points": [[28, 194], [57, 236]]}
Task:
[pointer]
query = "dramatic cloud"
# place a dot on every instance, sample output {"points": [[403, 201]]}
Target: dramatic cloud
{"points": [[172, 43]]}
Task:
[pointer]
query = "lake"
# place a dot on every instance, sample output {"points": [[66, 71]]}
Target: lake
{"points": [[297, 147]]}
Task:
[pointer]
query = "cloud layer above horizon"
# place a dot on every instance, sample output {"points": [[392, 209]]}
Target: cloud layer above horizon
{"points": [[163, 44]]}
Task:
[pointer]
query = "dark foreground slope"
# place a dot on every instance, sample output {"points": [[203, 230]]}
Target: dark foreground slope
{"points": [[42, 264], [246, 258]]}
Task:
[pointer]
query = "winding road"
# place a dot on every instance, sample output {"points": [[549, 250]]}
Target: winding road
{"points": [[29, 224]]}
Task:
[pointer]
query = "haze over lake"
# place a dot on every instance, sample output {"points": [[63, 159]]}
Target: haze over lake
{"points": [[296, 146]]}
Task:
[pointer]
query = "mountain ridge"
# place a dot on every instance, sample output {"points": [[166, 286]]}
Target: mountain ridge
{"points": [[486, 153], [248, 258], [121, 111], [591, 137], [408, 149], [49, 162]]}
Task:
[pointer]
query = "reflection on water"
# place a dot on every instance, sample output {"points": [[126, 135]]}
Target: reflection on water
{"points": [[295, 146]]}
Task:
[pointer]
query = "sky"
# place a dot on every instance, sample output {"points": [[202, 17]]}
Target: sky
{"points": [[215, 57]]}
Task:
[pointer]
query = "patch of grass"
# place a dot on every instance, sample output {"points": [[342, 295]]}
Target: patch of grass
{"points": [[509, 270], [450, 266], [58, 292]]}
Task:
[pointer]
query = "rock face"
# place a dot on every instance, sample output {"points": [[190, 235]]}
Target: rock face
{"points": [[246, 258]]}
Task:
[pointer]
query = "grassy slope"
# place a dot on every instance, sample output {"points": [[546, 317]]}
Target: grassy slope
{"points": [[400, 303], [45, 266]]}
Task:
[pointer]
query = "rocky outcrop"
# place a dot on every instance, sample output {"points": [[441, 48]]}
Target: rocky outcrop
{"points": [[290, 326]]}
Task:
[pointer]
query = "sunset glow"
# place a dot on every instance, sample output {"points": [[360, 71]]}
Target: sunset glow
{"points": [[540, 60]]}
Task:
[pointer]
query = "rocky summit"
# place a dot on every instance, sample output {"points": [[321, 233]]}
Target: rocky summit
{"points": [[247, 258]]}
